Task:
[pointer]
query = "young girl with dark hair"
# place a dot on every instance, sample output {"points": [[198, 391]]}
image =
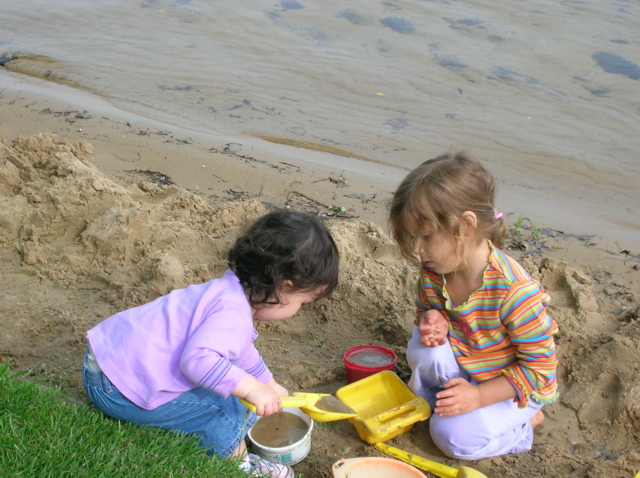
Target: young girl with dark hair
{"points": [[482, 352], [183, 361]]}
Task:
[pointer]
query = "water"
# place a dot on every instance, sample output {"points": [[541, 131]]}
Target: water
{"points": [[370, 358], [545, 91]]}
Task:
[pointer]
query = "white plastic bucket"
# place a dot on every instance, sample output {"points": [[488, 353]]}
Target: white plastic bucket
{"points": [[290, 454]]}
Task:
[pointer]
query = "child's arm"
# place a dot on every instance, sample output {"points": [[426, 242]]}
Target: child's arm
{"points": [[433, 328], [280, 390], [461, 397], [265, 396], [531, 332]]}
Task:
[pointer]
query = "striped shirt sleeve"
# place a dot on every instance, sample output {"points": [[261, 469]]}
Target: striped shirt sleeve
{"points": [[531, 332]]}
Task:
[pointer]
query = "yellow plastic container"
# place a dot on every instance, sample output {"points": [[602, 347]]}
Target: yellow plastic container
{"points": [[386, 407]]}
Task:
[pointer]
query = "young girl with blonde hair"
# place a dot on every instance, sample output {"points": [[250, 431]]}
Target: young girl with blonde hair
{"points": [[482, 352]]}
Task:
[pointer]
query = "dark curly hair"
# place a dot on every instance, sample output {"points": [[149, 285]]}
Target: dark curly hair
{"points": [[281, 246]]}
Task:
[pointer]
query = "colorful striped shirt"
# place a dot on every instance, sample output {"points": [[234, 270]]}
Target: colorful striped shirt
{"points": [[502, 329]]}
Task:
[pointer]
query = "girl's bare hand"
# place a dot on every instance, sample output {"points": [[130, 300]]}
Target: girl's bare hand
{"points": [[265, 399], [279, 389], [433, 328], [458, 397]]}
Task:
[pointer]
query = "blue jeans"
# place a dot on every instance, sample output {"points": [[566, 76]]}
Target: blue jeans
{"points": [[220, 423]]}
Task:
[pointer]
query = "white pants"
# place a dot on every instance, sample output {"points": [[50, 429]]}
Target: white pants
{"points": [[495, 430]]}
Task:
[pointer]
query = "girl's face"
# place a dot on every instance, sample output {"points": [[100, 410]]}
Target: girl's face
{"points": [[290, 303], [436, 251]]}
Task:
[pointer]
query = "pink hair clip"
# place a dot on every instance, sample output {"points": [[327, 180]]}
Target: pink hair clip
{"points": [[496, 215]]}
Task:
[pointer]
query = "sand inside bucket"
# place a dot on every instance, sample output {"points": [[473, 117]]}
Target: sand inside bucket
{"points": [[279, 430]]}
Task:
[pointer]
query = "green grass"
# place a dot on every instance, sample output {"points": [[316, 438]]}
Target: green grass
{"points": [[44, 435], [520, 223]]}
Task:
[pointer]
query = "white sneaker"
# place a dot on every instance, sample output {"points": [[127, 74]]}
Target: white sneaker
{"points": [[257, 466]]}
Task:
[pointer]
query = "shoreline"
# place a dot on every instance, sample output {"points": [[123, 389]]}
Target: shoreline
{"points": [[185, 155], [136, 209], [208, 163]]}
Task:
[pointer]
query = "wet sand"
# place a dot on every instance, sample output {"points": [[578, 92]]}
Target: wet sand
{"points": [[102, 210], [207, 163]]}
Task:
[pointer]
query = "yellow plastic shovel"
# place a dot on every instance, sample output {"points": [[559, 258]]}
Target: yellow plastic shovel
{"points": [[322, 407], [433, 467]]}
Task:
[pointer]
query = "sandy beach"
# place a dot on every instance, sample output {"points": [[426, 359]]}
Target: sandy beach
{"points": [[102, 209]]}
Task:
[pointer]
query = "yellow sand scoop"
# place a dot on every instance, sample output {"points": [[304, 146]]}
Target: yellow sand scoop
{"points": [[322, 407], [433, 467]]}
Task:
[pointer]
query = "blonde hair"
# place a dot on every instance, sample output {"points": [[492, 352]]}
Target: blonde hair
{"points": [[437, 193]]}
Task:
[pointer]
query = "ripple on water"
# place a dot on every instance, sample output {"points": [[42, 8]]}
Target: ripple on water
{"points": [[616, 64], [399, 25]]}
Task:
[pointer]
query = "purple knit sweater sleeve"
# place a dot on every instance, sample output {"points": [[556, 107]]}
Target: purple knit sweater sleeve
{"points": [[221, 351], [201, 336]]}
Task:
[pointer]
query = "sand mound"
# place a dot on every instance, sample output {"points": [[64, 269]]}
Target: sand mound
{"points": [[77, 246]]}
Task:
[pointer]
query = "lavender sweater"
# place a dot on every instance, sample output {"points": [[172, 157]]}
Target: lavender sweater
{"points": [[201, 336]]}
